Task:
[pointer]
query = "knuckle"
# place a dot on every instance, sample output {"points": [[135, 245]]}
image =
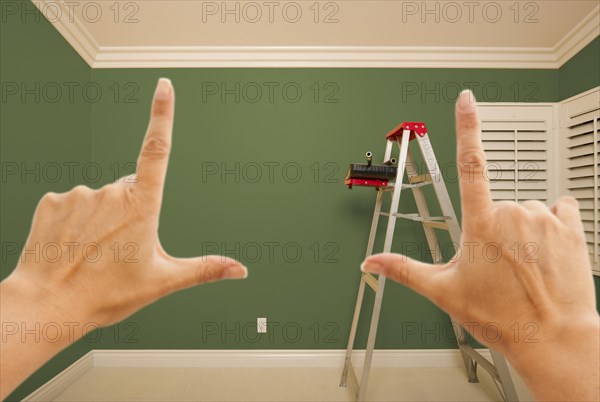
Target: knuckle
{"points": [[469, 121], [49, 199], [209, 273], [509, 211], [156, 148], [534, 205], [398, 272], [161, 107], [472, 158], [508, 207], [79, 193], [109, 194], [81, 190], [568, 200]]}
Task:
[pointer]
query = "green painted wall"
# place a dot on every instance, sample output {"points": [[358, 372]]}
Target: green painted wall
{"points": [[582, 72], [313, 136], [41, 128], [249, 174]]}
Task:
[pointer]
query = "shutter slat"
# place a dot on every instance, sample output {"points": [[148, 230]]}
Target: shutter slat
{"points": [[532, 146], [581, 182], [531, 175], [583, 171], [581, 193], [586, 203], [500, 195], [532, 194], [531, 155], [511, 125], [499, 145], [584, 118], [532, 136], [531, 185], [581, 129], [501, 156], [579, 140], [582, 150], [502, 185], [489, 135], [579, 161], [510, 165], [587, 215]]}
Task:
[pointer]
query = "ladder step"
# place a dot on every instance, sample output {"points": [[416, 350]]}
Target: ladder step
{"points": [[435, 222], [418, 218], [436, 225], [421, 178], [389, 187], [370, 280], [415, 182], [421, 184]]}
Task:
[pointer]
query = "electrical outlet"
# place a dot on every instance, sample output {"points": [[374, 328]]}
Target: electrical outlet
{"points": [[261, 325]]}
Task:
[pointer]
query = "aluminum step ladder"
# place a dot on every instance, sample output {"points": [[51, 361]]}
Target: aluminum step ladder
{"points": [[402, 135]]}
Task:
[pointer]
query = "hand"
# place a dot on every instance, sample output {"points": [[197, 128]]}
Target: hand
{"points": [[534, 275], [111, 261]]}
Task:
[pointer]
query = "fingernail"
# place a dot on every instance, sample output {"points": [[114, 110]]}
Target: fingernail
{"points": [[372, 267], [467, 102], [235, 272], [163, 88]]}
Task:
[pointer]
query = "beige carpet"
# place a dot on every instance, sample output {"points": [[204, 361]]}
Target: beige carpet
{"points": [[277, 384]]}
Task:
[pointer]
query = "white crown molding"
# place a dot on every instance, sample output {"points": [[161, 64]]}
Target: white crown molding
{"points": [[324, 56], [72, 30], [243, 358], [579, 37]]}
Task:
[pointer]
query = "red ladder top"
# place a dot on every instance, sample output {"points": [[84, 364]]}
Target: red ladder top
{"points": [[417, 127]]}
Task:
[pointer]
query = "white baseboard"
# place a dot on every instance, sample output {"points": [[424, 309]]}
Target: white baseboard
{"points": [[174, 358], [63, 380], [274, 358]]}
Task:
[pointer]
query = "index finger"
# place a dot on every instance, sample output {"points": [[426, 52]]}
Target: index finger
{"points": [[154, 155], [474, 187]]}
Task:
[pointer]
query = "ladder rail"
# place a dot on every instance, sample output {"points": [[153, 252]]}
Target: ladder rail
{"points": [[432, 242], [454, 230], [387, 246], [389, 233], [361, 292], [439, 186], [506, 382]]}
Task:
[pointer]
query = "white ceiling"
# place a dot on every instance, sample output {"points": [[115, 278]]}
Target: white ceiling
{"points": [[372, 33]]}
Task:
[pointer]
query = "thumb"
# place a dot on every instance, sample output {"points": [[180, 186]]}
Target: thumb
{"points": [[187, 272], [422, 278]]}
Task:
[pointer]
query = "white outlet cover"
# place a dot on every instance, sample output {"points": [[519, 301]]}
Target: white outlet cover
{"points": [[261, 325]]}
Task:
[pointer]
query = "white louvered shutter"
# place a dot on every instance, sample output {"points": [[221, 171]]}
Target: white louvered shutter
{"points": [[580, 128], [517, 140]]}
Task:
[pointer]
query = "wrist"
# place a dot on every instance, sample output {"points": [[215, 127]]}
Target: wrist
{"points": [[565, 355], [33, 314]]}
